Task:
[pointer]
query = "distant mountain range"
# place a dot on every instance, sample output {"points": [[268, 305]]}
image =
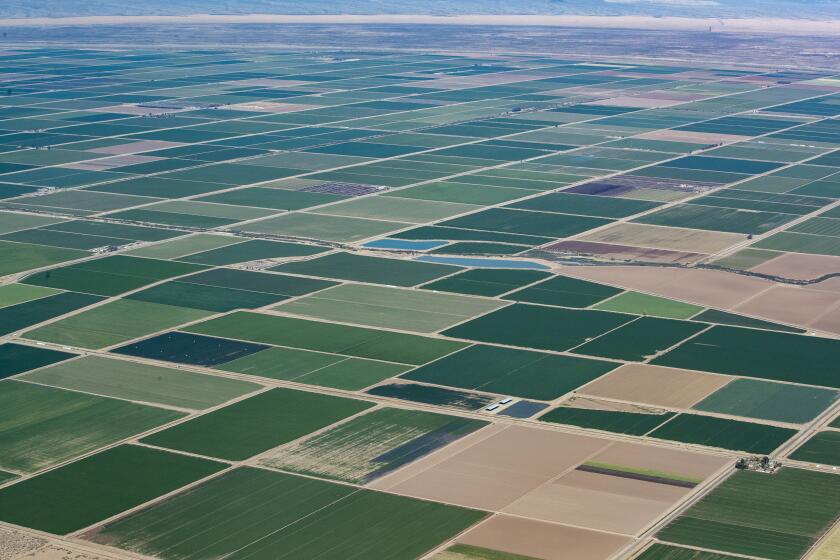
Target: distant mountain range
{"points": [[800, 9]]}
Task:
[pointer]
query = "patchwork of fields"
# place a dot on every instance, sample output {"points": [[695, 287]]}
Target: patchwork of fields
{"points": [[337, 305]]}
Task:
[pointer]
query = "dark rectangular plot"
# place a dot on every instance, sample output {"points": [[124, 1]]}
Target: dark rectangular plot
{"points": [[620, 422], [724, 433], [523, 409], [641, 339], [532, 326], [16, 317], [360, 268], [95, 488], [279, 284], [762, 206], [457, 234], [587, 205], [192, 349], [728, 165], [485, 151], [209, 298], [111, 275], [252, 251], [823, 448], [17, 358], [486, 282], [735, 320], [439, 396], [526, 222], [760, 354], [258, 423], [565, 292], [531, 375]]}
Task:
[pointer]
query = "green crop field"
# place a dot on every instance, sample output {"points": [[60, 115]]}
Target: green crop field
{"points": [[769, 401], [532, 375], [824, 448], [796, 508], [82, 493], [254, 512], [42, 426], [256, 424], [371, 445], [725, 433], [141, 382]]}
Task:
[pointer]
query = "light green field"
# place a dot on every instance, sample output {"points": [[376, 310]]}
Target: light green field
{"points": [[10, 221], [42, 426], [210, 209], [12, 294], [186, 246], [643, 304], [113, 323], [746, 259], [17, 257], [416, 211], [392, 308], [141, 382], [327, 228]]}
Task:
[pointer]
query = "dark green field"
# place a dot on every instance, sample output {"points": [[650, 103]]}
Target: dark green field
{"points": [[82, 493], [251, 513], [824, 448], [725, 433], [531, 375], [773, 516], [257, 423]]}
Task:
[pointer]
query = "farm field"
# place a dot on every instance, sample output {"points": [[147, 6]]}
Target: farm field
{"points": [[403, 304]]}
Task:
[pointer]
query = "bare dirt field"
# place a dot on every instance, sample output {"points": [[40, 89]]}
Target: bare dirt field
{"points": [[607, 503], [492, 473], [655, 385], [640, 456], [543, 540], [14, 544], [790, 304], [671, 238], [798, 266], [624, 252], [697, 137], [711, 288]]}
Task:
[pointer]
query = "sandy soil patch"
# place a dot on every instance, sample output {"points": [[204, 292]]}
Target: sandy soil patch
{"points": [[543, 540], [789, 304], [16, 543], [624, 252], [56, 551], [608, 503], [640, 456], [671, 238], [272, 107], [694, 137], [111, 163], [641, 102], [711, 288], [587, 403], [655, 385], [800, 267], [497, 470], [135, 147], [135, 110], [829, 321]]}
